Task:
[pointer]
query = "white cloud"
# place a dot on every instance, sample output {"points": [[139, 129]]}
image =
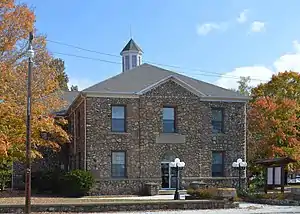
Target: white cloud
{"points": [[81, 83], [229, 80], [206, 28], [242, 17], [257, 26], [296, 45], [262, 73]]}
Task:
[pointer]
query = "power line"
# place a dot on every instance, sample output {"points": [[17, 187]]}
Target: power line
{"points": [[204, 73], [113, 62], [83, 49], [85, 57]]}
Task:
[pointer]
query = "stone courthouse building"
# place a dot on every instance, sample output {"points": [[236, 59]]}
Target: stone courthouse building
{"points": [[127, 129]]}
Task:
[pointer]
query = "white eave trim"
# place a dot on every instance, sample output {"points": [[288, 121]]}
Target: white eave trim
{"points": [[110, 94], [175, 79], [225, 99]]}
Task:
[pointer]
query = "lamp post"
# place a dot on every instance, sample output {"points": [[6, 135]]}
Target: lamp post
{"points": [[239, 164], [30, 55], [177, 164]]}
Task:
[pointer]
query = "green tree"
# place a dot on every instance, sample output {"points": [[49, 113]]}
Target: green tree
{"points": [[74, 88], [62, 77], [244, 87]]}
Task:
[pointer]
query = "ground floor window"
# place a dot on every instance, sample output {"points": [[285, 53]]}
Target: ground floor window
{"points": [[217, 167], [118, 164]]}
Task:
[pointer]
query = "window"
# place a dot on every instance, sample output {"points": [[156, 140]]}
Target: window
{"points": [[169, 120], [217, 120], [127, 63], [139, 60], [134, 61], [118, 121], [217, 167], [123, 64], [118, 164]]}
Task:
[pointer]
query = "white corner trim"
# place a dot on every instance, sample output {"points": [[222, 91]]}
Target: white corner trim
{"points": [[85, 153], [177, 80]]}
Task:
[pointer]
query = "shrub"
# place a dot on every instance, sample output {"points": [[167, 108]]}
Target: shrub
{"points": [[242, 193], [47, 181], [5, 177], [257, 183], [77, 183], [278, 196], [5, 173], [206, 193]]}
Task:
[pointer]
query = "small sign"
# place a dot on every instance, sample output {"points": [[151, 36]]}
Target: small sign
{"points": [[270, 176], [277, 179]]}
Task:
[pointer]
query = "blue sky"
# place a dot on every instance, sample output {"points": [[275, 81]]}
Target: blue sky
{"points": [[230, 37]]}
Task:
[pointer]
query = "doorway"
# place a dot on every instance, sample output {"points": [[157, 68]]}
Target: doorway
{"points": [[168, 175]]}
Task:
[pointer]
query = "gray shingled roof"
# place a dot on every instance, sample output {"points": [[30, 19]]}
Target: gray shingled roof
{"points": [[68, 97], [131, 45], [145, 75]]}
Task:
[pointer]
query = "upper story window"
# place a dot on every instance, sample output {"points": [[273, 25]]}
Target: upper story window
{"points": [[217, 168], [217, 120], [134, 61], [118, 164], [118, 120], [169, 120], [127, 63]]}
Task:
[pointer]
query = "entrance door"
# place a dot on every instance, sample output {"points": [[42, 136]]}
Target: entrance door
{"points": [[168, 176]]}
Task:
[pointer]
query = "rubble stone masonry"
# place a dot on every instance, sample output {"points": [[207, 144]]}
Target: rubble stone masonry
{"points": [[144, 125]]}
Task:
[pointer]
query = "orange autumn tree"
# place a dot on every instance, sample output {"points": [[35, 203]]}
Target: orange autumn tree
{"points": [[274, 118], [16, 21]]}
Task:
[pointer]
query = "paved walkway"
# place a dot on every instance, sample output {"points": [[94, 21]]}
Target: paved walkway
{"points": [[245, 208], [155, 197]]}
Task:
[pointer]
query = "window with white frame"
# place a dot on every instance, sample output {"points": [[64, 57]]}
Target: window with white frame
{"points": [[118, 164]]}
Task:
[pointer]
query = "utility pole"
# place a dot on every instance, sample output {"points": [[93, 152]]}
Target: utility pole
{"points": [[30, 54]]}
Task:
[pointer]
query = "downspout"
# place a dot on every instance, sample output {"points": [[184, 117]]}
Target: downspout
{"points": [[85, 163]]}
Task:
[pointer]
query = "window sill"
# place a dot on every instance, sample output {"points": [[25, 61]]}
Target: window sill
{"points": [[218, 134], [118, 133], [119, 178]]}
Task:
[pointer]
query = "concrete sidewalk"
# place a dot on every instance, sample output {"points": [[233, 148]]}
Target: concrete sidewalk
{"points": [[155, 197]]}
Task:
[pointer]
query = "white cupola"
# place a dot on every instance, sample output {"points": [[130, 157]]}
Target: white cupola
{"points": [[131, 56]]}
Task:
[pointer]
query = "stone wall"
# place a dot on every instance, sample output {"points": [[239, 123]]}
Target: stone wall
{"points": [[77, 130], [101, 141], [121, 206], [144, 124], [215, 182]]}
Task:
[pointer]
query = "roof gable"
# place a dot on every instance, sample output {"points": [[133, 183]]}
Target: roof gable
{"points": [[146, 76], [176, 80]]}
